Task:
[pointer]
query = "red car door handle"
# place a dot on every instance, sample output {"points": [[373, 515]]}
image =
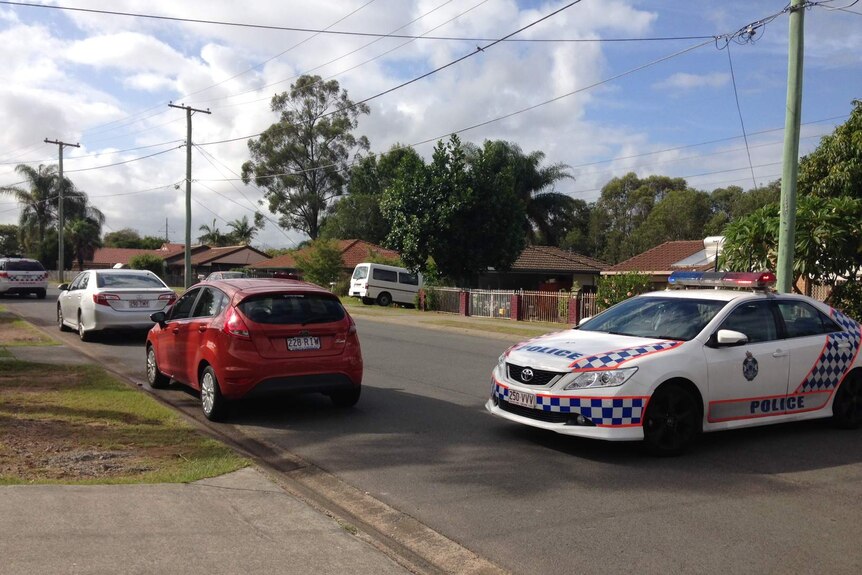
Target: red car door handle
{"points": [[202, 328], [176, 330]]}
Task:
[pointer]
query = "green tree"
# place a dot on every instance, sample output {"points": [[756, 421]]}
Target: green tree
{"points": [[38, 203], [624, 205], [732, 202], [83, 234], [151, 242], [211, 236], [616, 288], [680, 215], [301, 160], [242, 231], [466, 220], [9, 240], [834, 168], [321, 262], [150, 262], [357, 215], [124, 238]]}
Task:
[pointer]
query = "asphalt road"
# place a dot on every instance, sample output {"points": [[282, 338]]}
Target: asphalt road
{"points": [[780, 499]]}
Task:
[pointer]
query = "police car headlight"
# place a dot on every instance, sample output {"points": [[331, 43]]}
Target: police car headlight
{"points": [[501, 363], [602, 378]]}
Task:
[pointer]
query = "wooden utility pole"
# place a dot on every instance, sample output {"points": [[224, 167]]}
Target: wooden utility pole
{"points": [[187, 272], [790, 161], [60, 221]]}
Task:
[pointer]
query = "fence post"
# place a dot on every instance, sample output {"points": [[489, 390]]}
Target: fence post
{"points": [[574, 309], [515, 307], [422, 299], [464, 303]]}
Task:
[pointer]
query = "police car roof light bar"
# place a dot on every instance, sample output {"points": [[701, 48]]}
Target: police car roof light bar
{"points": [[752, 280]]}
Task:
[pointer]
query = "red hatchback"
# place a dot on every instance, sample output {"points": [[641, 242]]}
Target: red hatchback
{"points": [[254, 337]]}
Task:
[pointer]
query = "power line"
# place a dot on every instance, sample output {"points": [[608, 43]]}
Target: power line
{"points": [[345, 32], [739, 111]]}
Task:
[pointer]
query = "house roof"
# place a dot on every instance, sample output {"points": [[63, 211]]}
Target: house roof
{"points": [[661, 259], [231, 255], [352, 252], [111, 256], [549, 258]]}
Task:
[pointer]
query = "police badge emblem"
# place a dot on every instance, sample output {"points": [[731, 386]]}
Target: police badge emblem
{"points": [[749, 366]]}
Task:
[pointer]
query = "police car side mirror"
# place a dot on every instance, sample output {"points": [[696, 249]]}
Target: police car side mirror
{"points": [[727, 338]]}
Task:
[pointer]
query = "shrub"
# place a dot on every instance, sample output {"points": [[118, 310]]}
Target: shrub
{"points": [[614, 289], [847, 297], [321, 263], [150, 262]]}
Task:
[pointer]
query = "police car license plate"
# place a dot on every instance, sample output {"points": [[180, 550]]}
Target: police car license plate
{"points": [[521, 398], [303, 343], [136, 303]]}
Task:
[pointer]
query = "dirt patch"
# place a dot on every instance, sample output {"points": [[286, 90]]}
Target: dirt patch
{"points": [[45, 449]]}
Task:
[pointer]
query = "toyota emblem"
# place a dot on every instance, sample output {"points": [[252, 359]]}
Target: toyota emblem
{"points": [[526, 374]]}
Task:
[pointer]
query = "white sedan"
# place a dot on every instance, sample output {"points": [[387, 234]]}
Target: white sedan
{"points": [[665, 366], [112, 299]]}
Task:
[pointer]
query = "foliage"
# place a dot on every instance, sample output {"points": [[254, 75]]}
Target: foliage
{"points": [[732, 203], [275, 252], [150, 262], [212, 236], [624, 205], [130, 238], [321, 262], [828, 240], [835, 168], [616, 288], [301, 160], [376, 257], [242, 232], [83, 234], [9, 240], [847, 297], [465, 219], [680, 215], [357, 215]]}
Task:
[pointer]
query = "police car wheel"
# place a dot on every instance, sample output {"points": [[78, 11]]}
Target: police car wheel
{"points": [[672, 421], [847, 407]]}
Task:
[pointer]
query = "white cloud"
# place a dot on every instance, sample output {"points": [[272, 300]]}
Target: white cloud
{"points": [[686, 81]]}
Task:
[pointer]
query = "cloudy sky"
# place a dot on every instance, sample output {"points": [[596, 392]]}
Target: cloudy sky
{"points": [[605, 86]]}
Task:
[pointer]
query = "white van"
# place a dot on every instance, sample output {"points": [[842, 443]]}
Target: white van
{"points": [[384, 284]]}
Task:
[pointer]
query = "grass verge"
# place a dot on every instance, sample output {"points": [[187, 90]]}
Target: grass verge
{"points": [[17, 332], [80, 425]]}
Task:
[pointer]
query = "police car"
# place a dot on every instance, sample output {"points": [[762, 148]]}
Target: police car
{"points": [[665, 366], [23, 276]]}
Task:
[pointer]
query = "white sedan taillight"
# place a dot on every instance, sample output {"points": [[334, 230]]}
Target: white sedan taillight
{"points": [[104, 298]]}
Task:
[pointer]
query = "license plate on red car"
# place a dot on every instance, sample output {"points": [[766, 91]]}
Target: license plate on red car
{"points": [[303, 343]]}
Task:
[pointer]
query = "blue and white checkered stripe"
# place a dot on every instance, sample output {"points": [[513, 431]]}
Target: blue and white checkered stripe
{"points": [[836, 358], [602, 411], [28, 278], [614, 358]]}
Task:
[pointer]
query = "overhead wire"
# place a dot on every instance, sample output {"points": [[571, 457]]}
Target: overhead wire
{"points": [[739, 111]]}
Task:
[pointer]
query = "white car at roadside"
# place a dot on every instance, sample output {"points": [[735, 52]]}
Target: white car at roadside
{"points": [[113, 299], [665, 366]]}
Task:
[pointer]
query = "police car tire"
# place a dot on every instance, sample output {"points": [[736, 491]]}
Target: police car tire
{"points": [[847, 406], [40, 293], [672, 422]]}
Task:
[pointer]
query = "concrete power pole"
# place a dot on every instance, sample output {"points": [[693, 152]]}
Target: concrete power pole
{"points": [[790, 160], [187, 272], [60, 221]]}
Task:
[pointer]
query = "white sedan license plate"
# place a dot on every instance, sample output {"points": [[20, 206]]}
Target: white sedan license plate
{"points": [[303, 343], [137, 303], [521, 398]]}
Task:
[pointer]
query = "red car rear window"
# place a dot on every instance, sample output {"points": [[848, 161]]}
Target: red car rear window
{"points": [[292, 308]]}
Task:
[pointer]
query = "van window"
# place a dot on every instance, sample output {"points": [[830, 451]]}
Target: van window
{"points": [[385, 275], [360, 273], [409, 279]]}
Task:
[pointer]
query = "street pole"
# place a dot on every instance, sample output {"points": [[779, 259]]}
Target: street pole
{"points": [[790, 160], [60, 220], [187, 272]]}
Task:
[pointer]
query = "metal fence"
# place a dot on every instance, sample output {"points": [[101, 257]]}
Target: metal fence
{"points": [[491, 303], [587, 305], [443, 299], [545, 306]]}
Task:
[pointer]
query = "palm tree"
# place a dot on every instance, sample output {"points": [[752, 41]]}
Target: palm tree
{"points": [[212, 236], [534, 184], [243, 232], [39, 210], [83, 234]]}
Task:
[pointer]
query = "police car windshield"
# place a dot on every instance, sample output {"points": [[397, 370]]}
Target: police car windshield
{"points": [[656, 317]]}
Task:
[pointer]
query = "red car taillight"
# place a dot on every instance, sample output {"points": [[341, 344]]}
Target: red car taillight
{"points": [[234, 325], [171, 297], [104, 298]]}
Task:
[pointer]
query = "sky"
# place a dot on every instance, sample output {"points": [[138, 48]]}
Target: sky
{"points": [[605, 86]]}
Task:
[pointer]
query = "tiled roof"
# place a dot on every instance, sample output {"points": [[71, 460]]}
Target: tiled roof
{"points": [[111, 256], [549, 258], [234, 255], [352, 252], [660, 258]]}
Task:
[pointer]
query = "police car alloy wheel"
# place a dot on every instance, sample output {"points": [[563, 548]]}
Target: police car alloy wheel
{"points": [[715, 351]]}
